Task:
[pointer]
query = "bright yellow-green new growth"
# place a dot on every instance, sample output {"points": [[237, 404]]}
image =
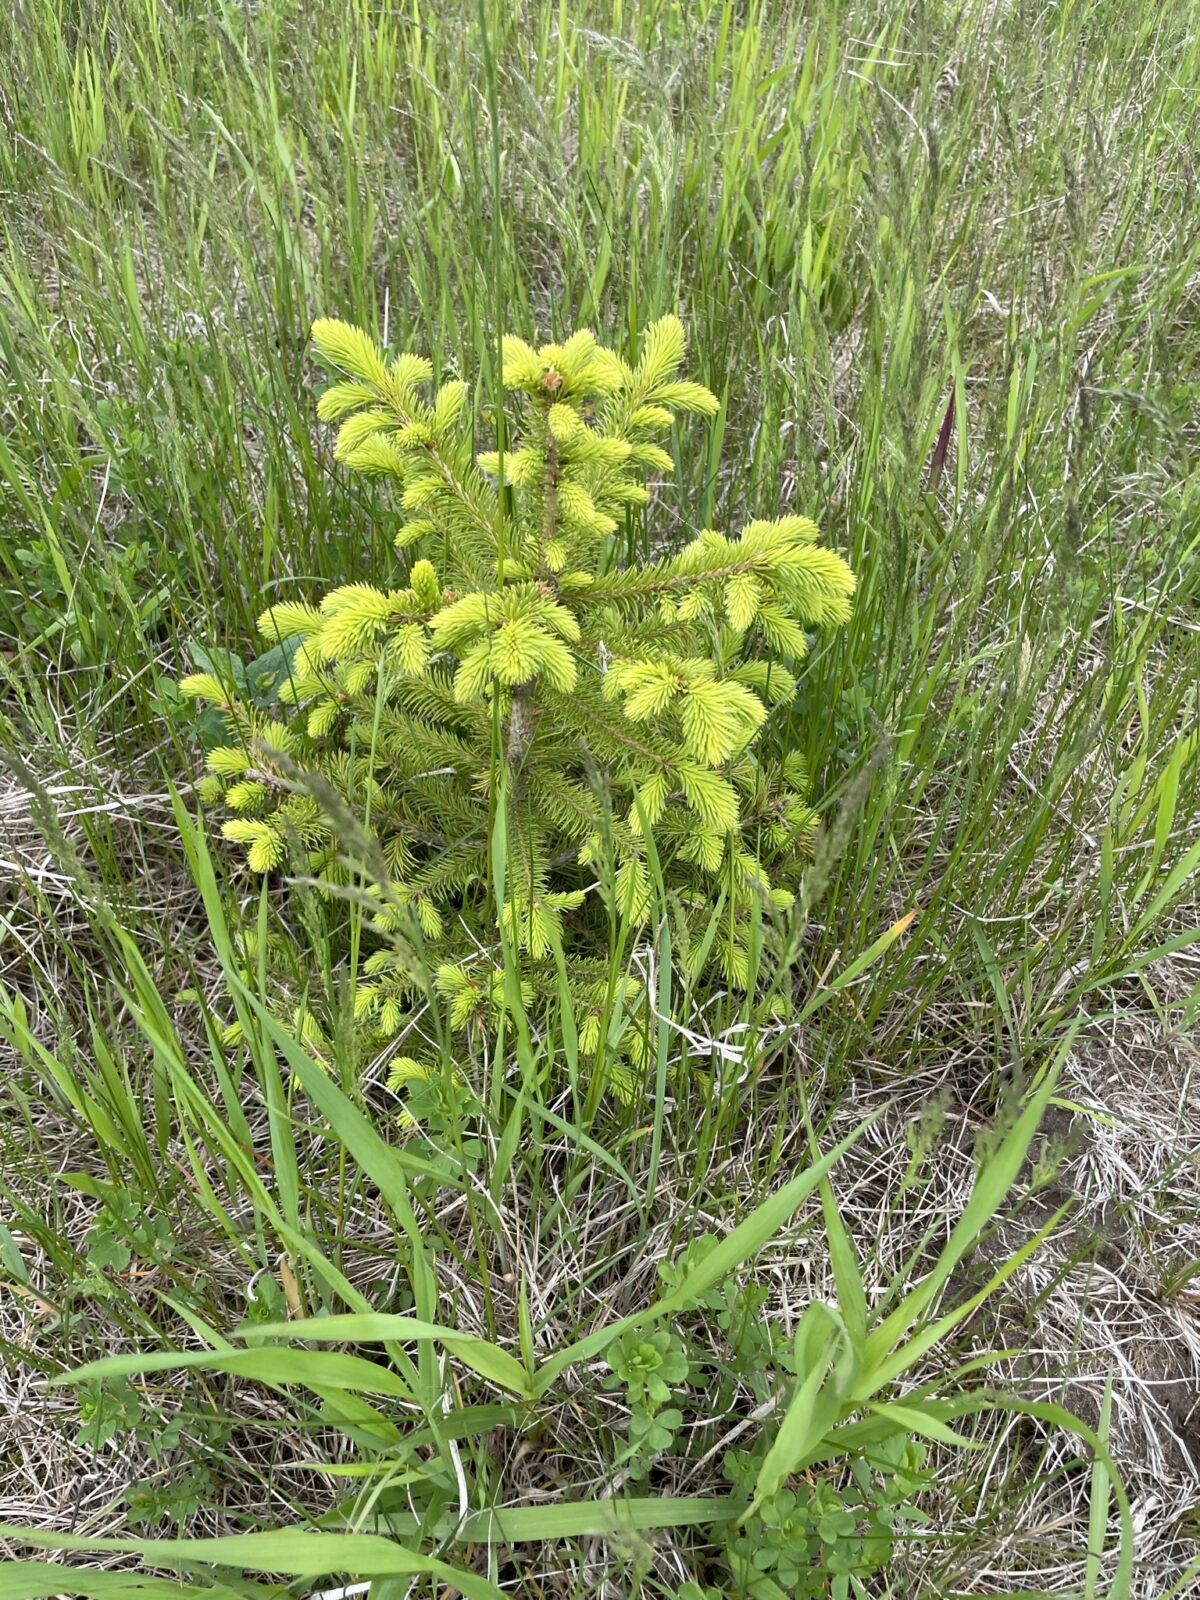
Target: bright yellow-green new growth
{"points": [[629, 695]]}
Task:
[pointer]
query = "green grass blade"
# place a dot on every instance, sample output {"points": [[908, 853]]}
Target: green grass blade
{"points": [[992, 1185], [314, 1369], [488, 1360], [296, 1552], [754, 1231]]}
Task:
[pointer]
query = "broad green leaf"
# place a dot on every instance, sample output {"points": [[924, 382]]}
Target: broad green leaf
{"points": [[314, 1369], [296, 1552], [488, 1360], [573, 1519], [360, 1421], [814, 1406], [915, 1419], [43, 1580]]}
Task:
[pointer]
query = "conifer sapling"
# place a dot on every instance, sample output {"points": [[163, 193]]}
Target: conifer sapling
{"points": [[521, 664]]}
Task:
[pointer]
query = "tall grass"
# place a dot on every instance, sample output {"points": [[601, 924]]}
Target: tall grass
{"points": [[940, 263]]}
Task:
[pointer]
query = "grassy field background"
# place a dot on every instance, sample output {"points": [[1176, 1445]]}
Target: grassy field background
{"points": [[940, 263]]}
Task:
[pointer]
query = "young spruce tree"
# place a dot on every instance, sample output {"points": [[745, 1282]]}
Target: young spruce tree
{"points": [[522, 666]]}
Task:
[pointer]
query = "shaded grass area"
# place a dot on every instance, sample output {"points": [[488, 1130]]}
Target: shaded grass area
{"points": [[940, 264]]}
